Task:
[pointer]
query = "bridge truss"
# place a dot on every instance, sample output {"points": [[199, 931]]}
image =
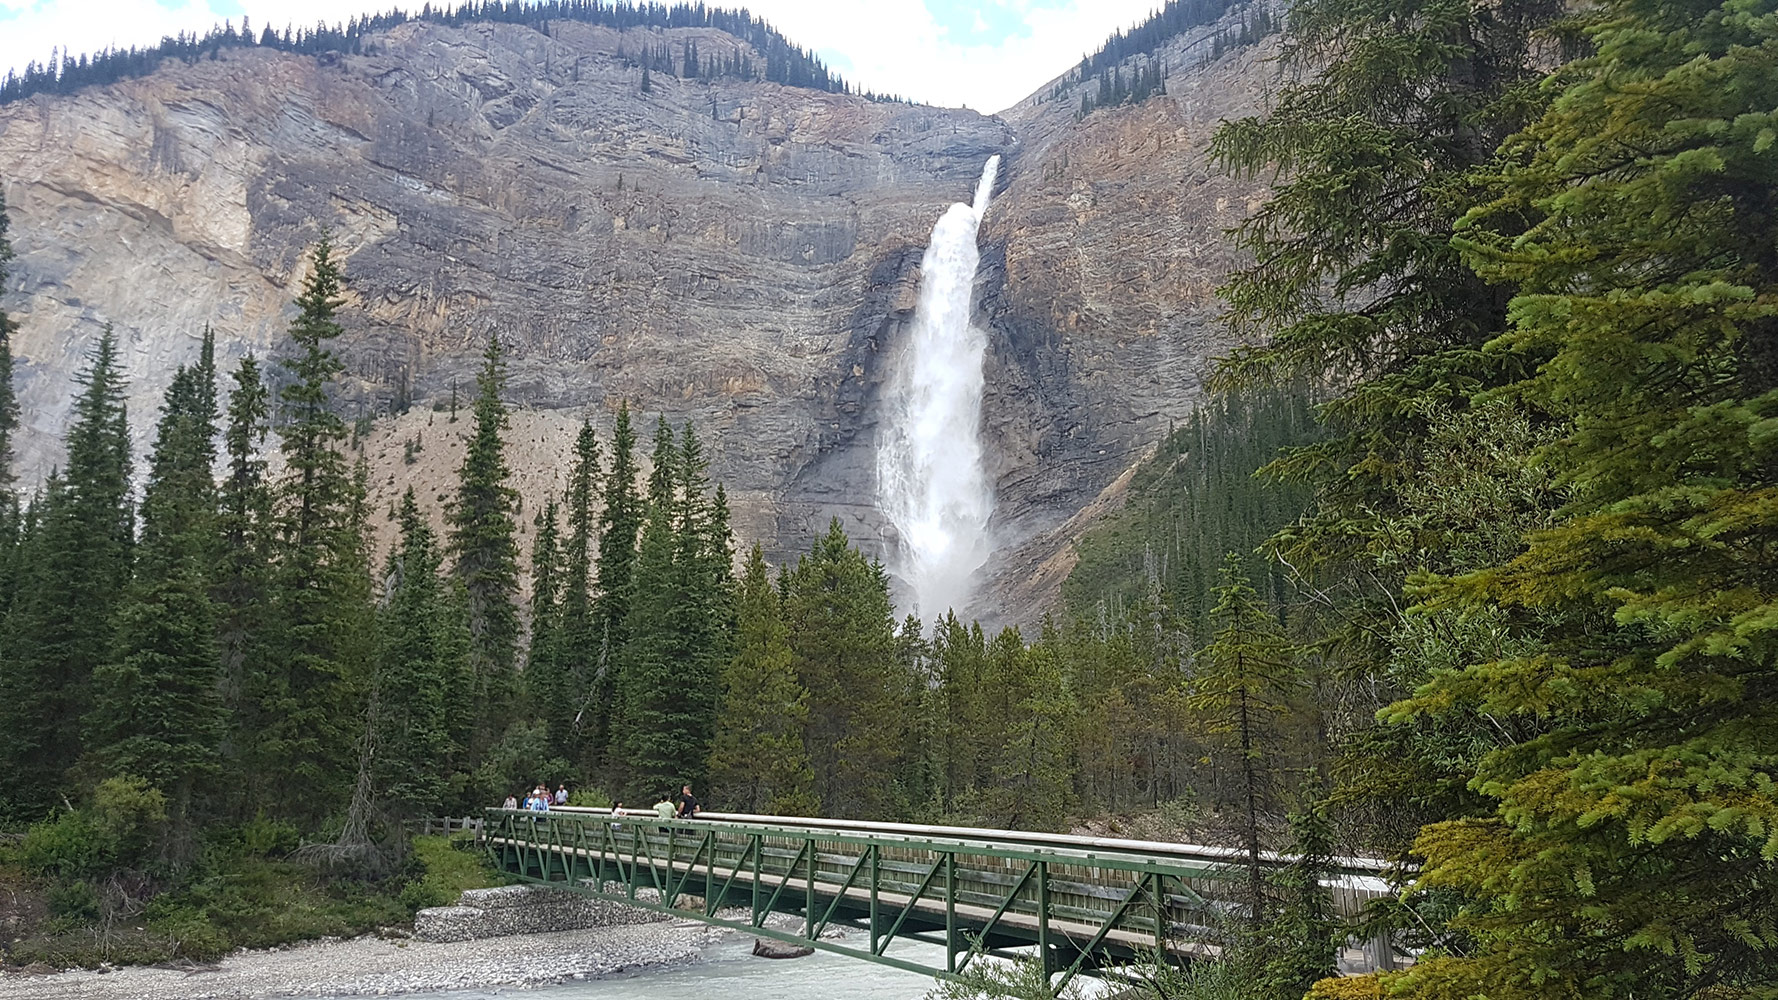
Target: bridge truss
{"points": [[1078, 904]]}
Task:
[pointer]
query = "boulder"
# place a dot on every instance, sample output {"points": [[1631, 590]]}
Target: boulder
{"points": [[768, 948]]}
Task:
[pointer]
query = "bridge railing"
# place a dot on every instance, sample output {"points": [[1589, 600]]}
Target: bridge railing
{"points": [[1080, 904]]}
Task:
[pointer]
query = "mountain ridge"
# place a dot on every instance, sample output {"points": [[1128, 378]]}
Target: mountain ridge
{"points": [[744, 254]]}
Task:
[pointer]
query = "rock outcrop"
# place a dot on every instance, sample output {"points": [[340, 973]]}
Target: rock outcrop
{"points": [[742, 254]]}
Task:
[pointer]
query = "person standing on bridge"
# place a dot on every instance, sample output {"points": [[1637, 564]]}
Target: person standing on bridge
{"points": [[664, 808], [688, 805], [561, 794]]}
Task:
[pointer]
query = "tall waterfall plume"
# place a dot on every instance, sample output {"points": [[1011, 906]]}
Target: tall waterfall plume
{"points": [[930, 478]]}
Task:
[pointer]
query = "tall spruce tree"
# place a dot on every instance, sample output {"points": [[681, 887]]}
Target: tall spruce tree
{"points": [[246, 533], [570, 717], [157, 712], [61, 627], [1630, 850], [415, 672], [704, 584], [620, 528], [483, 543], [545, 688], [1246, 679], [758, 762], [646, 734], [1034, 769], [842, 634], [1375, 146], [670, 678], [312, 699]]}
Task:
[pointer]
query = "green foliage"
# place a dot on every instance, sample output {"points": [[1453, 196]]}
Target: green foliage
{"points": [[75, 565], [482, 534], [241, 579], [157, 712], [114, 829], [1196, 500], [842, 638], [1245, 682], [569, 712], [417, 669], [311, 696], [248, 903], [447, 867], [1629, 850], [670, 673], [620, 527], [758, 763]]}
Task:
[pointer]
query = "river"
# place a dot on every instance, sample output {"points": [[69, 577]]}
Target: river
{"points": [[728, 970]]}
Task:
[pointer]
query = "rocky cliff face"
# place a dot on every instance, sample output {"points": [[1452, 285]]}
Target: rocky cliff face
{"points": [[741, 254]]}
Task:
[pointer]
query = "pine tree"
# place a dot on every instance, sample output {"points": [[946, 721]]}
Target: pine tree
{"points": [[758, 763], [311, 703], [241, 578], [648, 693], [482, 536], [1630, 847], [1245, 682], [571, 716], [620, 527], [75, 567], [157, 712], [414, 673], [1377, 148], [842, 634], [1034, 771], [544, 687]]}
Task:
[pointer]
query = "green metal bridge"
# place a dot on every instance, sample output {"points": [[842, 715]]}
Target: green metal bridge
{"points": [[1084, 905]]}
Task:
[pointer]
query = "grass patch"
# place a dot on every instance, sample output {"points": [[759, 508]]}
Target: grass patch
{"points": [[447, 866]]}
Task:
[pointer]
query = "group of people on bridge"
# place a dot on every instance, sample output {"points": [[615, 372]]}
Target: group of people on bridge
{"points": [[541, 799]]}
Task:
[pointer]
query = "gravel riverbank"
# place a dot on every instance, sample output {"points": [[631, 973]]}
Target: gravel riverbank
{"points": [[383, 967]]}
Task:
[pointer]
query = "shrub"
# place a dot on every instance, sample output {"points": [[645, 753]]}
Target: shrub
{"points": [[191, 935], [73, 900], [445, 869], [70, 846]]}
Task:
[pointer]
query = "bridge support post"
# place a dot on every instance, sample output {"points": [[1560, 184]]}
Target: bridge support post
{"points": [[875, 858], [1160, 919], [951, 912], [1044, 947], [809, 894]]}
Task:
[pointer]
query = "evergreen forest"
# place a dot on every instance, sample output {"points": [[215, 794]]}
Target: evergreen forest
{"points": [[769, 56], [1467, 565]]}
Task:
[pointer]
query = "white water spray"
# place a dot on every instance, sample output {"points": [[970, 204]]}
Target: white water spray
{"points": [[929, 463]]}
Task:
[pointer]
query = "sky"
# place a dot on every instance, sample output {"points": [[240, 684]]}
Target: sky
{"points": [[981, 54]]}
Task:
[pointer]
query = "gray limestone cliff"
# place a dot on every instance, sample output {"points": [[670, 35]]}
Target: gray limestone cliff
{"points": [[742, 254]]}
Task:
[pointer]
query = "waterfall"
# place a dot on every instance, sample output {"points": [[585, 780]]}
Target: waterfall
{"points": [[930, 478]]}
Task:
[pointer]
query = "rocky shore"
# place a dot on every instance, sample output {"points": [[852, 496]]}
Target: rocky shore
{"points": [[370, 966]]}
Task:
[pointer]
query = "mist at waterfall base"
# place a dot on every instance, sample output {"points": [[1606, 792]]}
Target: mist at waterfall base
{"points": [[931, 481]]}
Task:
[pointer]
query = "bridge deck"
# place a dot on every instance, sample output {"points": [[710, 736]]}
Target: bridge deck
{"points": [[1082, 904]]}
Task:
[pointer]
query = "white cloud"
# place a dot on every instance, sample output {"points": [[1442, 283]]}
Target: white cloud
{"points": [[890, 46]]}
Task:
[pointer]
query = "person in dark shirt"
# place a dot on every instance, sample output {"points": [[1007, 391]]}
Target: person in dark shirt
{"points": [[688, 804]]}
